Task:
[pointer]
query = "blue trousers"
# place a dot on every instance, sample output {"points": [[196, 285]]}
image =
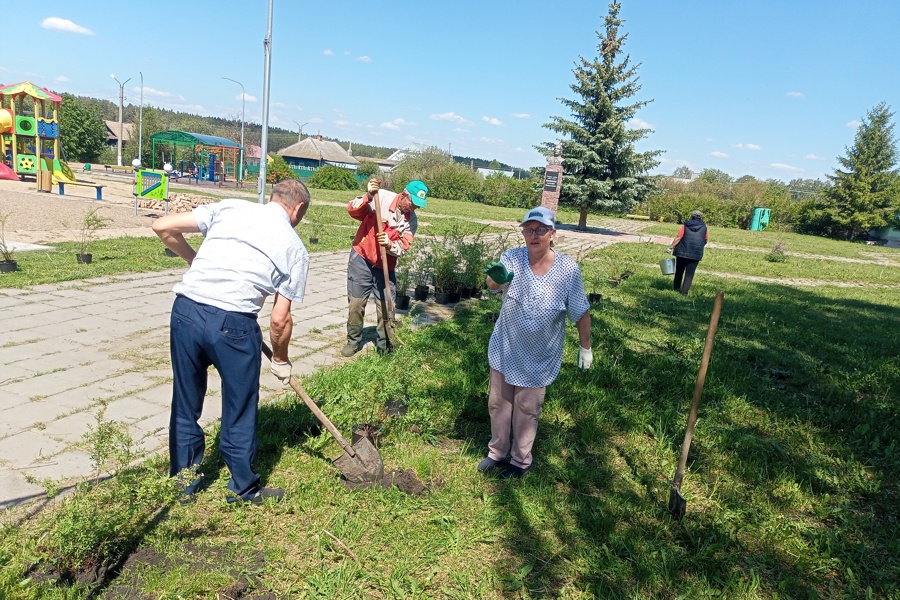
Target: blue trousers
{"points": [[200, 336]]}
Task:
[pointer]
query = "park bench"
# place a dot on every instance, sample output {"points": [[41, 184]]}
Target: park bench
{"points": [[62, 187], [119, 169]]}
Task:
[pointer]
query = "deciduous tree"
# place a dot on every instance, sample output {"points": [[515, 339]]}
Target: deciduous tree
{"points": [[82, 131], [603, 170]]}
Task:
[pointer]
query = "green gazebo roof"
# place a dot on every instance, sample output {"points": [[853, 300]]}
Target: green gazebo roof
{"points": [[185, 138]]}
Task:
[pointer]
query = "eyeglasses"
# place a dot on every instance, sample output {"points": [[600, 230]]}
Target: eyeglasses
{"points": [[539, 231]]}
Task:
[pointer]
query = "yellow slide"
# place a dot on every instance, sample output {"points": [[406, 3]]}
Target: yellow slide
{"points": [[61, 172]]}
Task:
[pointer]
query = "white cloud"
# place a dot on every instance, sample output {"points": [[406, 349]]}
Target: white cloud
{"points": [[795, 94], [327, 52], [784, 167], [247, 97], [58, 24], [61, 79], [813, 157], [520, 116], [394, 125], [718, 154], [487, 140], [637, 123], [341, 122], [149, 91], [854, 124], [748, 146], [492, 120], [364, 59], [452, 117]]}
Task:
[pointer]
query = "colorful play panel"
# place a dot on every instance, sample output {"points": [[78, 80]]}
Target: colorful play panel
{"points": [[29, 128]]}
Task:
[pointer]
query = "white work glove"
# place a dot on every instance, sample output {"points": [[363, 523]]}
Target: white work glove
{"points": [[383, 240], [585, 358], [669, 250], [281, 370]]}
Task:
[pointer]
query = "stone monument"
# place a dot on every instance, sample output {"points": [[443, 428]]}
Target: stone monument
{"points": [[553, 174]]}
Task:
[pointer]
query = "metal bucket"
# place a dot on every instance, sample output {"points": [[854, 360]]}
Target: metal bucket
{"points": [[667, 265]]}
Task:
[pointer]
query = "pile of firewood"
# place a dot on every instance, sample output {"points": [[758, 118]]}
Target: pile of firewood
{"points": [[177, 203]]}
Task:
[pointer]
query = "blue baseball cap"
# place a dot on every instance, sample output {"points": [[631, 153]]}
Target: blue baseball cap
{"points": [[418, 192], [541, 214]]}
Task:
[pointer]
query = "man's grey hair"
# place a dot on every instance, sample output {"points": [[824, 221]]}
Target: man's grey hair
{"points": [[696, 214], [290, 192]]}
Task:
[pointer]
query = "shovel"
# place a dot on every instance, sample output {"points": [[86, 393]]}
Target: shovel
{"points": [[677, 503], [360, 462], [387, 302]]}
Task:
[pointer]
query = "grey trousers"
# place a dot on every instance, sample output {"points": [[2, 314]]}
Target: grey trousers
{"points": [[363, 280]]}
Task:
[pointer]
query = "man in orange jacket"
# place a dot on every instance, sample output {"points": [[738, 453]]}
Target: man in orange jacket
{"points": [[365, 272]]}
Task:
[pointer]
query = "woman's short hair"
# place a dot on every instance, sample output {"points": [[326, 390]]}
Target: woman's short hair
{"points": [[696, 214]]}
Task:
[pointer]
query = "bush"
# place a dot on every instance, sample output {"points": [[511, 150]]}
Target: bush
{"points": [[500, 190], [330, 177], [444, 177], [278, 170], [367, 168]]}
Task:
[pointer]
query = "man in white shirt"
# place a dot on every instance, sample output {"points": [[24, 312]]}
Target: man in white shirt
{"points": [[250, 252]]}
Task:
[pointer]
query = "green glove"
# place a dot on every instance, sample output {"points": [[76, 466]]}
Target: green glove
{"points": [[498, 273]]}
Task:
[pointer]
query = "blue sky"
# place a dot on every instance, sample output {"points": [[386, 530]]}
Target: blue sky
{"points": [[770, 88]]}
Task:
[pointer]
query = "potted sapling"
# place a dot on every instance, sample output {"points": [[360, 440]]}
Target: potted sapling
{"points": [[91, 223], [7, 263], [403, 275]]}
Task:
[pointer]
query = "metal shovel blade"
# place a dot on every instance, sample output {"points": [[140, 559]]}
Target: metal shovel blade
{"points": [[677, 503], [365, 467]]}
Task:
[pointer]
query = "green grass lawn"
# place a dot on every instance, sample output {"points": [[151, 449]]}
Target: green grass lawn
{"points": [[791, 488]]}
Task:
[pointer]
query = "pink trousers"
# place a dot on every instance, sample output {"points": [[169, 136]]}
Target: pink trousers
{"points": [[513, 410]]}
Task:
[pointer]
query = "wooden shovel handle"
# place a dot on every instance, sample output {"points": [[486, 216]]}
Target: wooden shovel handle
{"points": [[698, 389], [388, 301], [310, 403]]}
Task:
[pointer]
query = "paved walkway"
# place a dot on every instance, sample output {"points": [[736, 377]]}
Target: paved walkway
{"points": [[71, 351]]}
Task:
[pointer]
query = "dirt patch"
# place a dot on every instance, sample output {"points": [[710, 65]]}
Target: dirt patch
{"points": [[404, 480]]}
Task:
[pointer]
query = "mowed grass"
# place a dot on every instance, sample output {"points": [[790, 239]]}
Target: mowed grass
{"points": [[791, 486]]}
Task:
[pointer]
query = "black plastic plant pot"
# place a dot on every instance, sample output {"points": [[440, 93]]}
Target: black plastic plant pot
{"points": [[170, 253], [465, 293], [8, 266], [442, 297], [84, 259], [455, 297], [421, 293], [313, 240], [594, 298], [403, 302]]}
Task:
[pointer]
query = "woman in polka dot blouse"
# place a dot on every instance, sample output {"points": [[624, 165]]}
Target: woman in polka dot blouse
{"points": [[540, 288]]}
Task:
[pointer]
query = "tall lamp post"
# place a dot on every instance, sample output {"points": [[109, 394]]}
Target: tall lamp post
{"points": [[243, 100], [264, 140], [121, 100], [141, 120], [300, 130]]}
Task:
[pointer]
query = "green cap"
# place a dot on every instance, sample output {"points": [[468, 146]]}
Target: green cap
{"points": [[418, 191]]}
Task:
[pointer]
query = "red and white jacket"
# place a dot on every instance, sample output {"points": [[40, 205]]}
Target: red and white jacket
{"points": [[400, 227]]}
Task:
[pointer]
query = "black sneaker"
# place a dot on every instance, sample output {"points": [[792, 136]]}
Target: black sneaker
{"points": [[513, 472], [489, 463], [259, 497]]}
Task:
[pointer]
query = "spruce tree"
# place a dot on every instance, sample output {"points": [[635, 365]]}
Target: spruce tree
{"points": [[865, 193], [602, 170]]}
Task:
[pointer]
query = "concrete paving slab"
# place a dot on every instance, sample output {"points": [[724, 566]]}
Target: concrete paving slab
{"points": [[71, 429], [27, 448], [66, 402], [40, 386], [16, 489], [71, 464], [160, 396]]}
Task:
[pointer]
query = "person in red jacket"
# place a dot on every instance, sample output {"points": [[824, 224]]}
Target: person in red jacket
{"points": [[365, 273]]}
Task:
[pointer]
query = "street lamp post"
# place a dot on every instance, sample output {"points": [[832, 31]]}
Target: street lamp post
{"points": [[141, 121], [243, 100], [121, 101], [300, 130]]}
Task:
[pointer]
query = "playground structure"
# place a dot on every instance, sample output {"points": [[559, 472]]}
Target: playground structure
{"points": [[29, 134], [203, 157]]}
